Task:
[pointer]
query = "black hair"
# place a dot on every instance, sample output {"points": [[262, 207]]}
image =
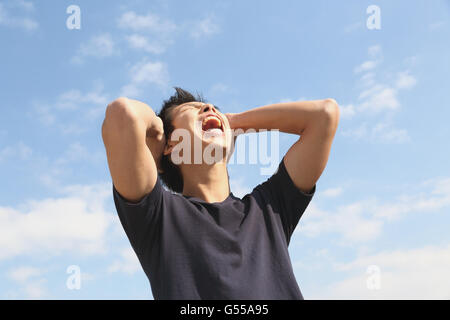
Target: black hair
{"points": [[171, 173]]}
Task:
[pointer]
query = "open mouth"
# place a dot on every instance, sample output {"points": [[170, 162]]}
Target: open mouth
{"points": [[212, 124]]}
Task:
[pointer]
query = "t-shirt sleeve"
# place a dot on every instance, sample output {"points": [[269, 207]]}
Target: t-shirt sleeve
{"points": [[140, 219], [285, 199]]}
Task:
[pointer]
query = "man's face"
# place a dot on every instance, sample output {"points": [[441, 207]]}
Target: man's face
{"points": [[205, 123]]}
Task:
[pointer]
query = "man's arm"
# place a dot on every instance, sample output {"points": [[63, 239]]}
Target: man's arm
{"points": [[316, 122], [134, 139]]}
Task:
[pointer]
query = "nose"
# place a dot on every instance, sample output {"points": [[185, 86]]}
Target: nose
{"points": [[208, 107]]}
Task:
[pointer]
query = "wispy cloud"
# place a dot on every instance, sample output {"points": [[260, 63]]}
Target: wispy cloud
{"points": [[24, 273], [76, 152], [9, 19], [137, 41], [143, 73], [332, 192], [22, 4], [205, 27], [128, 262], [84, 106], [145, 23], [153, 34], [30, 281], [150, 32], [418, 273], [380, 132], [405, 80], [363, 220], [15, 152], [377, 98], [98, 46]]}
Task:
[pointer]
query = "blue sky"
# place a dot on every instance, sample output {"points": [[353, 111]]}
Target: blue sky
{"points": [[382, 201]]}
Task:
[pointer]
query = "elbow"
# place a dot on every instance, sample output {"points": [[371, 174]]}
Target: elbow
{"points": [[116, 113], [330, 114], [119, 105], [119, 109]]}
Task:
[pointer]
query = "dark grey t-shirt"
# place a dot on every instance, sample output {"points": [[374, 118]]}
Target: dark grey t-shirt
{"points": [[234, 249]]}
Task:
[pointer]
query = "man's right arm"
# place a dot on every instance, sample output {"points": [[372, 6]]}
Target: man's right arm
{"points": [[134, 140]]}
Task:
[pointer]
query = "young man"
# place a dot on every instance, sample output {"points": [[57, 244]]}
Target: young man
{"points": [[200, 241]]}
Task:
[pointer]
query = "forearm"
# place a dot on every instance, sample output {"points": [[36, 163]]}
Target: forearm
{"points": [[288, 117]]}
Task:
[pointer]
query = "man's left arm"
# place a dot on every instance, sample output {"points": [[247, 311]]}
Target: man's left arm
{"points": [[315, 121]]}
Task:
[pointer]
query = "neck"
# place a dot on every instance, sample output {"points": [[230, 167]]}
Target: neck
{"points": [[206, 182]]}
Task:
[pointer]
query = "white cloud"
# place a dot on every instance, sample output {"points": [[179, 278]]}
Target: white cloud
{"points": [[9, 20], [19, 151], [436, 198], [384, 132], [377, 98], [356, 133], [347, 111], [25, 5], [332, 192], [98, 46], [151, 33], [74, 99], [145, 23], [154, 34], [137, 41], [363, 220], [24, 273], [405, 80], [78, 152], [365, 66], [128, 263], [368, 79], [30, 280], [352, 222], [204, 28], [375, 52], [419, 273], [84, 106], [36, 289], [145, 72], [76, 222]]}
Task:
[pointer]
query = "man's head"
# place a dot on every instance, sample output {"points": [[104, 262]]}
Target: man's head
{"points": [[201, 121]]}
